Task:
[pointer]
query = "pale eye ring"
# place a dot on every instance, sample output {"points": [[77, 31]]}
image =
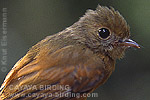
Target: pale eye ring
{"points": [[104, 33]]}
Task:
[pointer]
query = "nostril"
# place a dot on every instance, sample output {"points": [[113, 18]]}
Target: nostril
{"points": [[120, 41]]}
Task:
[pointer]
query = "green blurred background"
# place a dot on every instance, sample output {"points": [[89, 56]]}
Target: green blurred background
{"points": [[29, 21]]}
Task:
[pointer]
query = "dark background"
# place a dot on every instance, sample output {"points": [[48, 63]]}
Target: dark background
{"points": [[29, 21]]}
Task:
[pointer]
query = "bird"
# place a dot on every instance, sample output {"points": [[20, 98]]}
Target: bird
{"points": [[76, 60]]}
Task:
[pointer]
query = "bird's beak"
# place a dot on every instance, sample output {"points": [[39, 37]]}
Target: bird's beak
{"points": [[130, 43]]}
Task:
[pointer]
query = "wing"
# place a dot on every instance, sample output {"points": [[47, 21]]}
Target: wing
{"points": [[69, 70]]}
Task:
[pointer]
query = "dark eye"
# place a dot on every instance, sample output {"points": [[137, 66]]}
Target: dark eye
{"points": [[104, 33]]}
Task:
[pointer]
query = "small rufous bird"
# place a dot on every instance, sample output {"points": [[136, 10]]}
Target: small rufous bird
{"points": [[74, 61]]}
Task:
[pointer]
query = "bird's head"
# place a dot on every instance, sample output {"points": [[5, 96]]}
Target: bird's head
{"points": [[105, 31]]}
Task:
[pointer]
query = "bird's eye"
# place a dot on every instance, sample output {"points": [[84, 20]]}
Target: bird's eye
{"points": [[104, 33]]}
